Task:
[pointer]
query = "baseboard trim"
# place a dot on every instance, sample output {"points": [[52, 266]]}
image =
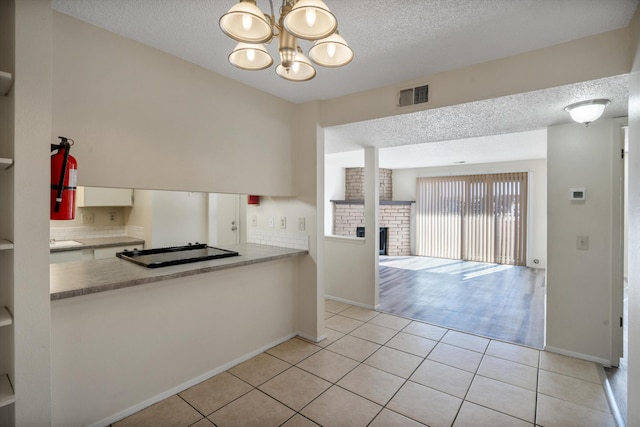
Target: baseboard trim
{"points": [[346, 301], [182, 387], [603, 362], [611, 399], [312, 339]]}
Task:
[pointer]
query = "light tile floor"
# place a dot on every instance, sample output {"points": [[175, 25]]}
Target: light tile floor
{"points": [[379, 370]]}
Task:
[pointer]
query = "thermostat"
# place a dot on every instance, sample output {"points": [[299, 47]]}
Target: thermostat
{"points": [[578, 194]]}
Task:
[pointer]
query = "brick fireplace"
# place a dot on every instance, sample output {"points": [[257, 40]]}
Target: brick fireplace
{"points": [[394, 216]]}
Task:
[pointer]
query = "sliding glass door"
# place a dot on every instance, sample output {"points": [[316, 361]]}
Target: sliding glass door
{"points": [[473, 217]]}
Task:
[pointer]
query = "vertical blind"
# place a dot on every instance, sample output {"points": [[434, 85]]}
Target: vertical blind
{"points": [[473, 217]]}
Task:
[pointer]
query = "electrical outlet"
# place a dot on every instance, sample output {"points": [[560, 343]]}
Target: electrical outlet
{"points": [[582, 243], [283, 222], [87, 218], [301, 223], [254, 221], [113, 217], [270, 222]]}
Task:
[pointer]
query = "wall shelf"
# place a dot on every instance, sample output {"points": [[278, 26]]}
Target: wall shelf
{"points": [[5, 82], [5, 244], [7, 396], [5, 317], [5, 163]]}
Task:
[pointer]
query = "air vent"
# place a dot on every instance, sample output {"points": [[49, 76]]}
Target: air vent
{"points": [[415, 95]]}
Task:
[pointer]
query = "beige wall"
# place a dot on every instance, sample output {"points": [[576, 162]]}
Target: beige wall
{"points": [[144, 119], [31, 306], [633, 417], [308, 177], [178, 334], [581, 315], [141, 118], [351, 264], [602, 55], [349, 271], [7, 182]]}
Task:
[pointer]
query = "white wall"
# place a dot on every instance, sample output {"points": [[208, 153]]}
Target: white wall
{"points": [[179, 217], [580, 283], [141, 214], [334, 189], [334, 181], [404, 188]]}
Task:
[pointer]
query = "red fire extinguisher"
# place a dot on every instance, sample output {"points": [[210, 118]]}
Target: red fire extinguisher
{"points": [[64, 173]]}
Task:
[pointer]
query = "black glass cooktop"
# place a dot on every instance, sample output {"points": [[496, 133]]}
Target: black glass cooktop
{"points": [[163, 257]]}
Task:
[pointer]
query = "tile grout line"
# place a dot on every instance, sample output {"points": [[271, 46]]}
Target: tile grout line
{"points": [[439, 341], [475, 373], [408, 377]]}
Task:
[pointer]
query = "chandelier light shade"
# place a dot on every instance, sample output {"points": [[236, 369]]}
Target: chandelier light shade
{"points": [[311, 20], [587, 111], [248, 56], [300, 71], [332, 51], [299, 19], [245, 22]]}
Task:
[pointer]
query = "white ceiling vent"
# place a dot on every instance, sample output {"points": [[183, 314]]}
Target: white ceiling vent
{"points": [[415, 95]]}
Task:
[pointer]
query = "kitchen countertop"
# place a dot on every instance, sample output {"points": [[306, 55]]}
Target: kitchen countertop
{"points": [[100, 242], [71, 279]]}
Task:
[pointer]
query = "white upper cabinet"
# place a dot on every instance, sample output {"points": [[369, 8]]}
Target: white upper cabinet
{"points": [[99, 196]]}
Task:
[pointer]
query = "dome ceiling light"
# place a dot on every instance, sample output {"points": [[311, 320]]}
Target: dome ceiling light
{"points": [[587, 111], [299, 19]]}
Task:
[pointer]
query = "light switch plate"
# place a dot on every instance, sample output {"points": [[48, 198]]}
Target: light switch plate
{"points": [[301, 223], [87, 218], [254, 221], [582, 243], [270, 222]]}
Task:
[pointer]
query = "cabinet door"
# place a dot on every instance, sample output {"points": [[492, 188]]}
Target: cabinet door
{"points": [[100, 196], [70, 256]]}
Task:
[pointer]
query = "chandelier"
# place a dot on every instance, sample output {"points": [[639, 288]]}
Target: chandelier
{"points": [[299, 19]]}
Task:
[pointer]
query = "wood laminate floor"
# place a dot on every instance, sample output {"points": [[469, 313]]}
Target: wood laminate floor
{"points": [[496, 301]]}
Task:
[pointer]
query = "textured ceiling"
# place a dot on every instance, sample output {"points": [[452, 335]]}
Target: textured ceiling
{"points": [[509, 114], [485, 149], [393, 41]]}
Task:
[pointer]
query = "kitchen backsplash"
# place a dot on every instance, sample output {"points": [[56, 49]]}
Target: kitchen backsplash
{"points": [[134, 231], [284, 239], [89, 232]]}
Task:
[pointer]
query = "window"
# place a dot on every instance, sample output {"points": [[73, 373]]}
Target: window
{"points": [[473, 217]]}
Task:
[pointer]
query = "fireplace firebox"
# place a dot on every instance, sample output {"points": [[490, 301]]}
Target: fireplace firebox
{"points": [[384, 231]]}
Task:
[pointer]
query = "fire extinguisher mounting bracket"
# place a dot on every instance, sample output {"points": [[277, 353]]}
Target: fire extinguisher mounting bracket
{"points": [[64, 143]]}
